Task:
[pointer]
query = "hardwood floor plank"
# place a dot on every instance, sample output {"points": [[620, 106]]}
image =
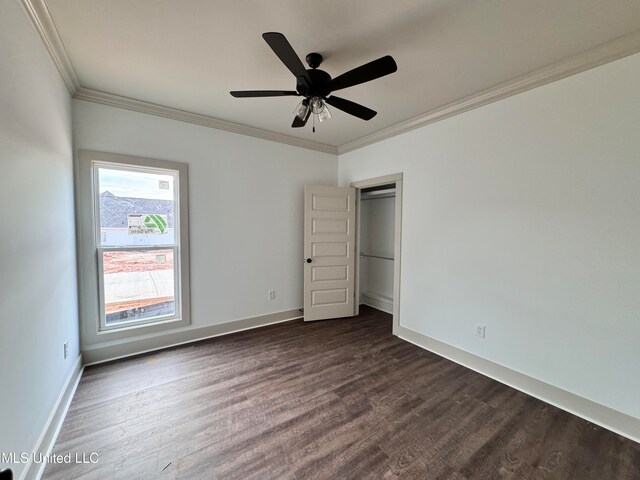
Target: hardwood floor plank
{"points": [[339, 399]]}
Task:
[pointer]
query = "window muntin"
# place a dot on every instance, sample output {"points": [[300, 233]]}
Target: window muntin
{"points": [[137, 236]]}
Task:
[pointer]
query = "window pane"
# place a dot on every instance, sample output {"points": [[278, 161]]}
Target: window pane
{"points": [[138, 285], [136, 208]]}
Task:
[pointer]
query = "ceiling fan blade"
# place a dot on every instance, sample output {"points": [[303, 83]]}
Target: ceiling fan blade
{"points": [[262, 93], [364, 73], [351, 108], [285, 52], [299, 122]]}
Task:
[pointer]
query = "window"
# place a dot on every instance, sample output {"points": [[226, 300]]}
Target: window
{"points": [[139, 240]]}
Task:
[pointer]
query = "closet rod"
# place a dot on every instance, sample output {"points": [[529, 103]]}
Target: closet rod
{"points": [[376, 256]]}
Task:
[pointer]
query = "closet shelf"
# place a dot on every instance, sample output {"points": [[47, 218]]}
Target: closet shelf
{"points": [[376, 256], [378, 197]]}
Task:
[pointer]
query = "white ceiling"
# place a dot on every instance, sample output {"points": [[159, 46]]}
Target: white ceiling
{"points": [[189, 54]]}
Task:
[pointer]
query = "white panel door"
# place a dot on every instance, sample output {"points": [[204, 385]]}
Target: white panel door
{"points": [[329, 247]]}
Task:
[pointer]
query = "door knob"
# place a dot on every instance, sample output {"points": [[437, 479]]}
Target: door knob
{"points": [[308, 260]]}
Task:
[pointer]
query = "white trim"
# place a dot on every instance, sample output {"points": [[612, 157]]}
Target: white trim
{"points": [[397, 256], [126, 103], [373, 182], [51, 429], [356, 265], [88, 287], [379, 302], [605, 53], [41, 19], [108, 351], [606, 417]]}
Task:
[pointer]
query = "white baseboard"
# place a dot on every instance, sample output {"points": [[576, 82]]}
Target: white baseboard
{"points": [[606, 417], [377, 301], [115, 350], [47, 439]]}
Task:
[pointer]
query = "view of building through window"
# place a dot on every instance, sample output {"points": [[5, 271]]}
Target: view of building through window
{"points": [[137, 243]]}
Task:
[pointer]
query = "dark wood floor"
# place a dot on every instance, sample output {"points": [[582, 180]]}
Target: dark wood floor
{"points": [[339, 399]]}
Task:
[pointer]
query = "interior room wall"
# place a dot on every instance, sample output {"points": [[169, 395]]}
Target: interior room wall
{"points": [[524, 216], [245, 208], [38, 300], [377, 224]]}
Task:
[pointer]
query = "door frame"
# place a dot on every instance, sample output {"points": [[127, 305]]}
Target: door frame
{"points": [[397, 242]]}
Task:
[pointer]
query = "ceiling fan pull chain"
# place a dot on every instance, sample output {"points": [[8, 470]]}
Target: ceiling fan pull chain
{"points": [[314, 123]]}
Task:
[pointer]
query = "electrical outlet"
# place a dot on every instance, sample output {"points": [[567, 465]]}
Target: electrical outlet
{"points": [[480, 331], [271, 295], [66, 349]]}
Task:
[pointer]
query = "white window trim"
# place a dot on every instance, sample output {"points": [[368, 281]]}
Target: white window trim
{"points": [[93, 329]]}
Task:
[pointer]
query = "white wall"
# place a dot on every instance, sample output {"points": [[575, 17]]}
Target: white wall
{"points": [[245, 207], [524, 216], [377, 226], [38, 301]]}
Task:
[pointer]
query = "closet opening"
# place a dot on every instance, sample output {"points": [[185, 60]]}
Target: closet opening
{"points": [[379, 207]]}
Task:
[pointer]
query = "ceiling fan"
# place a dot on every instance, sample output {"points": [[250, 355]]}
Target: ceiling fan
{"points": [[316, 85]]}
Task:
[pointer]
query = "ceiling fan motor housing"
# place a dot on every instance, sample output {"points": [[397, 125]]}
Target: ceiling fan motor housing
{"points": [[319, 86]]}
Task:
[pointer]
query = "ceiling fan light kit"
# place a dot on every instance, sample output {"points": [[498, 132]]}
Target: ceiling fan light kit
{"points": [[316, 86], [324, 114], [302, 108]]}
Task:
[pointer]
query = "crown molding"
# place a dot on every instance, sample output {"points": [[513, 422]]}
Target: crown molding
{"points": [[43, 22], [184, 116], [40, 17], [605, 53]]}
